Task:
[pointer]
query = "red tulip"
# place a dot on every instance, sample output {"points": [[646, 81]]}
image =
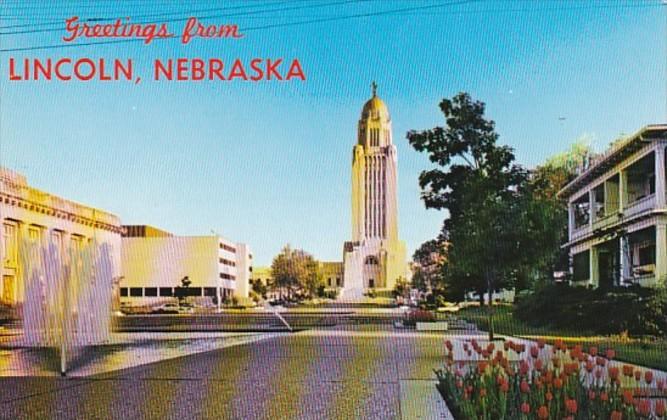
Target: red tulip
{"points": [[660, 408], [627, 370], [549, 396], [534, 351], [571, 406], [644, 408], [505, 387], [525, 408], [543, 412], [627, 397], [613, 372], [538, 364], [525, 388], [558, 383], [593, 351], [610, 354], [638, 375], [604, 396], [482, 392], [648, 376], [616, 415]]}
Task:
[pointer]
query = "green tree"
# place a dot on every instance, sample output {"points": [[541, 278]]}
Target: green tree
{"points": [[294, 270], [429, 258], [401, 288], [548, 213], [477, 181], [258, 287]]}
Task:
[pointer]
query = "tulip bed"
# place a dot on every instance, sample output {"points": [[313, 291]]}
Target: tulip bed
{"points": [[546, 382]]}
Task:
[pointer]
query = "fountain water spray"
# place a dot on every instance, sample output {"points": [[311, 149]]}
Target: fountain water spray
{"points": [[68, 297]]}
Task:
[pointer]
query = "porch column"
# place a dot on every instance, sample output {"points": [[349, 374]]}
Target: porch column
{"points": [[570, 219], [591, 208], [624, 259], [661, 253], [660, 176], [594, 268], [622, 190]]}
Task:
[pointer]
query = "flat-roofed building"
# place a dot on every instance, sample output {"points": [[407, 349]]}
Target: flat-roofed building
{"points": [[618, 214], [154, 267]]}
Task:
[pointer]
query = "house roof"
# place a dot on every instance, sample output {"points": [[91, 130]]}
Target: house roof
{"points": [[614, 156]]}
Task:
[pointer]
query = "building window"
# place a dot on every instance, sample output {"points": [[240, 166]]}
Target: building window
{"points": [[35, 234], [227, 262], [76, 243], [227, 248], [581, 267], [338, 282], [150, 291], [166, 291], [187, 291], [209, 291], [123, 292], [10, 242], [371, 283], [226, 276], [582, 211], [136, 291]]}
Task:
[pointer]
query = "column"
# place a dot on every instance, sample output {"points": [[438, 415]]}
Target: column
{"points": [[660, 176], [570, 220], [591, 208], [595, 273], [622, 190], [661, 253], [624, 259], [21, 275]]}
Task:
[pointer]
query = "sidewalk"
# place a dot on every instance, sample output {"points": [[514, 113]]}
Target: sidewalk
{"points": [[123, 351]]}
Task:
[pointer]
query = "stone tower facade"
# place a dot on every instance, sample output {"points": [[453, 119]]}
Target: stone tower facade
{"points": [[375, 258]]}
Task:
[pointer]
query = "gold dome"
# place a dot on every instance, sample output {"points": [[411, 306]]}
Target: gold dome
{"points": [[375, 108]]}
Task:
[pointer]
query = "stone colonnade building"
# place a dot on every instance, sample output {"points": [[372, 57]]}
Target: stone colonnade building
{"points": [[59, 262]]}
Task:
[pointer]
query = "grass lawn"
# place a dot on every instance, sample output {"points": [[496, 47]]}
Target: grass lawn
{"points": [[649, 352]]}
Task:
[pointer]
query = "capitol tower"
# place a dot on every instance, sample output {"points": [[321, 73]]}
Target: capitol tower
{"points": [[375, 258]]}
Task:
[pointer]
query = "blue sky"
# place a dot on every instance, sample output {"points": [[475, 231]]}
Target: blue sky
{"points": [[269, 163]]}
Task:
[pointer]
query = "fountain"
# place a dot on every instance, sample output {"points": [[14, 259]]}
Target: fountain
{"points": [[68, 297]]}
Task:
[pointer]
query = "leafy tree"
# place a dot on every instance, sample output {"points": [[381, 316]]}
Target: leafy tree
{"points": [[548, 213], [259, 287], [294, 270], [428, 260], [478, 183], [401, 288]]}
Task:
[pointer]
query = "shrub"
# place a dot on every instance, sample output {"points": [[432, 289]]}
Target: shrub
{"points": [[603, 311], [418, 315]]}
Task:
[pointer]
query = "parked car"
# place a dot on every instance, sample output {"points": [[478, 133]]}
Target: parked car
{"points": [[167, 308]]}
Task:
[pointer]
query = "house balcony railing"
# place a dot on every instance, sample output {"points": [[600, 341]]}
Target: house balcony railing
{"points": [[641, 205], [606, 220]]}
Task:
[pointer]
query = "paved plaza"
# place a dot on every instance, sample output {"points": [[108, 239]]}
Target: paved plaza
{"points": [[364, 371]]}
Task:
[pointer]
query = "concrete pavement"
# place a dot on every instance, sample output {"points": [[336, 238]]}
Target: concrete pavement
{"points": [[369, 372]]}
